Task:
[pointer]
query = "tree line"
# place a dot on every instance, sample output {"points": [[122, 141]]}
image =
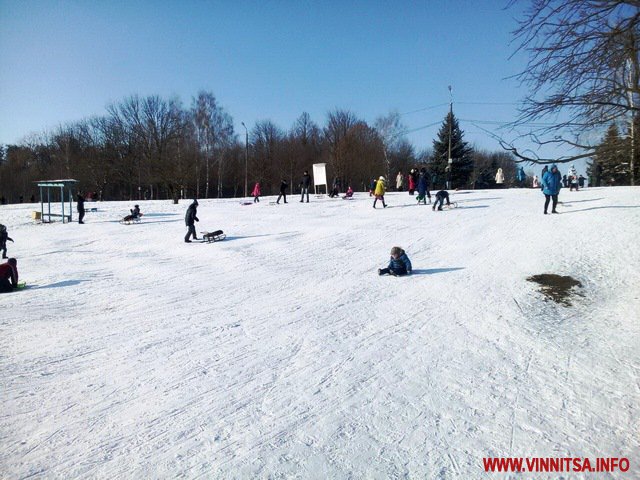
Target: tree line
{"points": [[154, 148]]}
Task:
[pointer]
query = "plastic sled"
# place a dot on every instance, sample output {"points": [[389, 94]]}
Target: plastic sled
{"points": [[216, 236]]}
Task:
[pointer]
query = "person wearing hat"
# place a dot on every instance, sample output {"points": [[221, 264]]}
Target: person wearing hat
{"points": [[189, 220], [551, 185], [9, 275], [135, 212], [573, 178], [379, 192], [399, 263]]}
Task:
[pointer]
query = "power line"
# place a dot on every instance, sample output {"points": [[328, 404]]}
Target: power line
{"points": [[425, 108], [497, 122], [431, 107]]}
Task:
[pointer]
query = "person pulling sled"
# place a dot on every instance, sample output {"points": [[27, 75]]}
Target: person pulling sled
{"points": [[189, 219]]}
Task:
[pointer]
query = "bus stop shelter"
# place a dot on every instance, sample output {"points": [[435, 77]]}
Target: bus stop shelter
{"points": [[53, 187]]}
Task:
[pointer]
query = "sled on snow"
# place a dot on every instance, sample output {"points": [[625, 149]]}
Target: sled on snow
{"points": [[450, 206], [216, 236], [129, 219]]}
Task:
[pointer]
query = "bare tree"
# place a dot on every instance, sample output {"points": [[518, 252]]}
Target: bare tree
{"points": [[339, 122], [156, 125], [583, 71], [214, 129], [267, 139], [390, 129]]}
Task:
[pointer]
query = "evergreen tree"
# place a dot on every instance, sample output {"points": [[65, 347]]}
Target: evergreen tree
{"points": [[461, 153], [610, 164]]}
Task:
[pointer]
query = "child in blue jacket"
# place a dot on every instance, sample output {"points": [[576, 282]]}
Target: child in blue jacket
{"points": [[399, 263]]}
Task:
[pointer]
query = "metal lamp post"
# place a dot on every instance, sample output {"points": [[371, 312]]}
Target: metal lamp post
{"points": [[246, 157], [449, 159]]}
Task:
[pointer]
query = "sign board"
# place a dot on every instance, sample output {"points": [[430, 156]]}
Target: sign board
{"points": [[319, 175]]}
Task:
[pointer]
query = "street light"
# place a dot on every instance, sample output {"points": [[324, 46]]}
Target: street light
{"points": [[246, 157], [449, 159]]}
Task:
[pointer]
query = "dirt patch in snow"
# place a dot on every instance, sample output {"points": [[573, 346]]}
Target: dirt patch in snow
{"points": [[556, 287]]}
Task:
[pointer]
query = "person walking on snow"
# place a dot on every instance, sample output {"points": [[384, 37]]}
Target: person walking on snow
{"points": [[536, 182], [306, 181], [379, 192], [423, 187], [189, 219], [256, 192], [499, 178], [551, 185], [283, 191], [412, 180], [4, 236], [399, 263]]}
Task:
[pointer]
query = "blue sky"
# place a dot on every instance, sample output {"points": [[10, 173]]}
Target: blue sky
{"points": [[62, 61]]}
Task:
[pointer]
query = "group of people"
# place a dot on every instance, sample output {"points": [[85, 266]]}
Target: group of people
{"points": [[416, 180], [305, 185], [423, 191], [572, 180], [552, 181]]}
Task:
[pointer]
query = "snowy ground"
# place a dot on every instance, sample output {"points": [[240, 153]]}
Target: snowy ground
{"points": [[279, 353]]}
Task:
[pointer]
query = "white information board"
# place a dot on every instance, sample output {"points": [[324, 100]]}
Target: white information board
{"points": [[319, 175]]}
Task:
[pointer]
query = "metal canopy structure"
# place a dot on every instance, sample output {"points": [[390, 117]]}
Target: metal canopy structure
{"points": [[62, 185]]}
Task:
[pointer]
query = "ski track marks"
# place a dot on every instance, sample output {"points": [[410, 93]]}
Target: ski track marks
{"points": [[279, 353]]}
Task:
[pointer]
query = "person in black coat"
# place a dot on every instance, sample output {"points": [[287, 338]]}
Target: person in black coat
{"points": [[4, 236], [189, 219], [306, 181], [283, 191], [80, 200], [423, 187], [441, 197]]}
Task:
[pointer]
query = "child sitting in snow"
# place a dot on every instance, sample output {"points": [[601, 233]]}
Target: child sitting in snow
{"points": [[349, 194], [399, 263]]}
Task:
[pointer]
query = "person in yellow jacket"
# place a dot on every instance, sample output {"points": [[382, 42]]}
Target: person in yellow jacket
{"points": [[379, 192]]}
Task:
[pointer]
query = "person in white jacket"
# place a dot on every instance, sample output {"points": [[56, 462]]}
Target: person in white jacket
{"points": [[399, 182], [536, 182], [499, 178], [573, 178]]}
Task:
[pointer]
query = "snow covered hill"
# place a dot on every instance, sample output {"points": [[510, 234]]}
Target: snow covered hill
{"points": [[280, 353]]}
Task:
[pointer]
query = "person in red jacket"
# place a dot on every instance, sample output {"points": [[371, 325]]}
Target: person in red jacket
{"points": [[412, 181], [9, 275], [256, 192]]}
